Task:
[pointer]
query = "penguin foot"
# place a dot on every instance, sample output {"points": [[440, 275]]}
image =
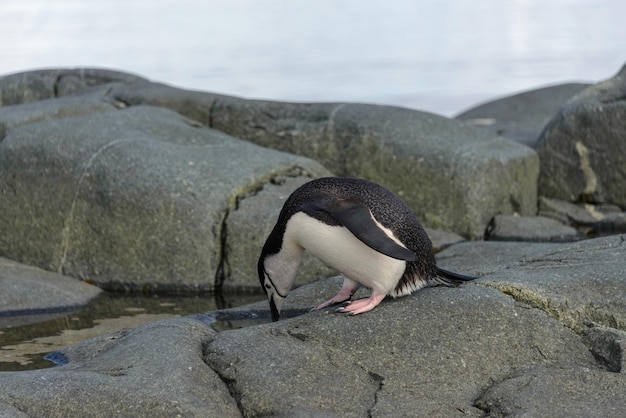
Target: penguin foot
{"points": [[363, 305], [344, 295]]}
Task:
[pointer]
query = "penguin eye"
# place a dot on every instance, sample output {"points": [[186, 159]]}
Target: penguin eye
{"points": [[267, 286]]}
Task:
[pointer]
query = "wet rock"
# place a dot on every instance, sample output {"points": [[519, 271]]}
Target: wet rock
{"points": [[530, 228], [155, 370], [430, 161], [131, 199], [522, 116], [582, 149], [31, 295]]}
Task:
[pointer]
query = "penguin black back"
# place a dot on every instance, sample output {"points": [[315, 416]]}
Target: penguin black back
{"points": [[313, 197]]}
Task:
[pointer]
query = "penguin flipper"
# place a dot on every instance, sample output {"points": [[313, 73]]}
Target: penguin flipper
{"points": [[358, 219]]}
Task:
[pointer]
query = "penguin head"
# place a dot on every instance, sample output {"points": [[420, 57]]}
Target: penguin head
{"points": [[277, 274]]}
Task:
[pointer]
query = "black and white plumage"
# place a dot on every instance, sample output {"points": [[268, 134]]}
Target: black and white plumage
{"points": [[361, 229]]}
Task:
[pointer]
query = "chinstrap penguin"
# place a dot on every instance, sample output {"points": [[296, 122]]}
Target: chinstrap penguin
{"points": [[359, 228]]}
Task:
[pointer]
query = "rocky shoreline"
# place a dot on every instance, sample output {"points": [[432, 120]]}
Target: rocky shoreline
{"points": [[109, 179]]}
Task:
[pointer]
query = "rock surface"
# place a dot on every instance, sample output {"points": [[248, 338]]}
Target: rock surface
{"points": [[541, 333], [130, 184], [155, 370], [531, 229], [582, 149], [522, 116], [29, 293], [430, 161], [601, 219], [135, 198]]}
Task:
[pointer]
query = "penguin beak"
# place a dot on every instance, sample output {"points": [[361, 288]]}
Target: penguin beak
{"points": [[276, 290], [274, 298], [276, 303]]}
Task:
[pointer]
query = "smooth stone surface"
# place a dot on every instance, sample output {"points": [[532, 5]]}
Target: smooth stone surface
{"points": [[29, 294], [33, 86], [531, 229], [575, 392], [522, 116]]}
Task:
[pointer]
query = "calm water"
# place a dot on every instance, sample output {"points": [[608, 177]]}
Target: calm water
{"points": [[23, 347], [439, 56]]}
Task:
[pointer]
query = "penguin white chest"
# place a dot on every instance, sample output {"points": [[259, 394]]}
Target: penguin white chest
{"points": [[337, 247]]}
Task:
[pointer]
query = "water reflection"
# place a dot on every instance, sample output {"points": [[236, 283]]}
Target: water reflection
{"points": [[23, 347]]}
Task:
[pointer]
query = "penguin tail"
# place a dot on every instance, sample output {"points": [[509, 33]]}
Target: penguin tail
{"points": [[449, 278]]}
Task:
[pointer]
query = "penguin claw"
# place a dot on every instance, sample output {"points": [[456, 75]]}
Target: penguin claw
{"points": [[343, 306]]}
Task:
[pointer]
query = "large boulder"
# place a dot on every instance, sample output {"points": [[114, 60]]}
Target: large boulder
{"points": [[522, 116], [582, 150], [132, 198], [454, 176]]}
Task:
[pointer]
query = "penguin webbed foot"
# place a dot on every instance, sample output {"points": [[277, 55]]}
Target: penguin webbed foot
{"points": [[330, 303], [362, 305], [344, 295]]}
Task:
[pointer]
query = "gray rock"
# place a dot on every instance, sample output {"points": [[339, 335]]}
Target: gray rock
{"points": [[487, 257], [155, 370], [50, 109], [132, 199], [442, 239], [32, 86], [582, 214], [543, 392], [522, 116], [31, 295], [430, 161], [539, 334], [595, 219], [530, 228], [582, 284], [447, 343], [583, 147], [608, 345]]}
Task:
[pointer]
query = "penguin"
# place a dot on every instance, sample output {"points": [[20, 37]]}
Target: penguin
{"points": [[359, 228]]}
